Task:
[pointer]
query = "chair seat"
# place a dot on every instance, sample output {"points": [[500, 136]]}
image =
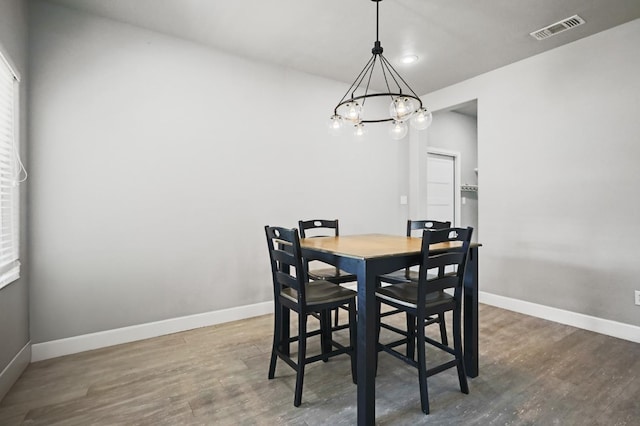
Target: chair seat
{"points": [[406, 294], [331, 274], [321, 292]]}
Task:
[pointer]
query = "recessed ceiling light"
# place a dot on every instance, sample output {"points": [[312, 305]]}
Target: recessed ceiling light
{"points": [[409, 59]]}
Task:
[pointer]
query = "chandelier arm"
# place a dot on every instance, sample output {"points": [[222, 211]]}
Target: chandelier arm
{"points": [[366, 89], [386, 81], [355, 83], [400, 77], [391, 73]]}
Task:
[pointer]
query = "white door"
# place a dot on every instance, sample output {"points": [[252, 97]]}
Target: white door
{"points": [[441, 188]]}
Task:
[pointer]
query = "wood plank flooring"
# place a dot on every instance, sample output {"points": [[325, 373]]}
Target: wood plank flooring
{"points": [[532, 372]]}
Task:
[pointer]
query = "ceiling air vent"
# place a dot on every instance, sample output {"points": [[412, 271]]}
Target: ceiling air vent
{"points": [[558, 27]]}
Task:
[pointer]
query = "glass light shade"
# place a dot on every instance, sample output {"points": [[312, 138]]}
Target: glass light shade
{"points": [[335, 125], [398, 130], [352, 111], [401, 108], [421, 119], [359, 130]]}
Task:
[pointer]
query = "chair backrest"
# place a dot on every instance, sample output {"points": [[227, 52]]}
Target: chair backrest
{"points": [[421, 225], [318, 228], [413, 226], [286, 261], [454, 255]]}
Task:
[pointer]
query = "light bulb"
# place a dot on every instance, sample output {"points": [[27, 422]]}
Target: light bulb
{"points": [[335, 125], [401, 108], [398, 130], [359, 130], [421, 119], [353, 110]]}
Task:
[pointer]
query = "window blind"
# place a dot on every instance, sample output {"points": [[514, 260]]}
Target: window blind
{"points": [[9, 170]]}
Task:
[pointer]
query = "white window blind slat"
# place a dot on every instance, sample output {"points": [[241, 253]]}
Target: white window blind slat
{"points": [[9, 238]]}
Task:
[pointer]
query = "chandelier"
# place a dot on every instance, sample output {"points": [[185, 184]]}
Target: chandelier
{"points": [[405, 105]]}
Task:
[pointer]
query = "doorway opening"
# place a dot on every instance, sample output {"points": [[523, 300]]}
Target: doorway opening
{"points": [[452, 144]]}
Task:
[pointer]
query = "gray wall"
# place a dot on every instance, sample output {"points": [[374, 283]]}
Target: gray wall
{"points": [[153, 183], [150, 190], [558, 157], [14, 304]]}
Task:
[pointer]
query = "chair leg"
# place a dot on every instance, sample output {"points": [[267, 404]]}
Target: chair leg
{"points": [[302, 349], [422, 367], [325, 333], [277, 339], [443, 330], [457, 346], [378, 327], [411, 336], [353, 341], [285, 331]]}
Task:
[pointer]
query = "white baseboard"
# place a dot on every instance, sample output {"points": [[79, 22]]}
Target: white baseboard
{"points": [[586, 322], [14, 369], [86, 342]]}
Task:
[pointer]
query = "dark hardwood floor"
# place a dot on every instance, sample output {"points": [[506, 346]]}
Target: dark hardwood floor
{"points": [[532, 372]]}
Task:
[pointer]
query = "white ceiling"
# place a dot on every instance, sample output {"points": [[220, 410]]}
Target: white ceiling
{"points": [[454, 40]]}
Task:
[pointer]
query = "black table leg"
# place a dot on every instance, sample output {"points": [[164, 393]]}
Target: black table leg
{"points": [[471, 314], [367, 344]]}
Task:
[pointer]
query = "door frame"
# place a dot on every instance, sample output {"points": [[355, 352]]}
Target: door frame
{"points": [[457, 195]]}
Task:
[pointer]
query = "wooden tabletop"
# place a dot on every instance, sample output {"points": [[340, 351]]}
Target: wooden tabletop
{"points": [[370, 245]]}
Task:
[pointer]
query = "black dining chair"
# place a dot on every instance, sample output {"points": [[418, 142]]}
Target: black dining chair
{"points": [[427, 297], [407, 275], [324, 228], [292, 291]]}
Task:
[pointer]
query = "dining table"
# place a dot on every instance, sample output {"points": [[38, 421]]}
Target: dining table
{"points": [[368, 256]]}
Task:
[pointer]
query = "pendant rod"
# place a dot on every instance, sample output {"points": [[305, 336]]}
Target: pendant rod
{"points": [[377, 21]]}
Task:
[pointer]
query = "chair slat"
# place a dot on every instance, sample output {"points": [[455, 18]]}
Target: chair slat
{"points": [[421, 225], [284, 257], [439, 284], [450, 258], [287, 280]]}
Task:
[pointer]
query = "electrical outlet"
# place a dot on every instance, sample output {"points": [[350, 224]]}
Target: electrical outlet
{"points": [[637, 297]]}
